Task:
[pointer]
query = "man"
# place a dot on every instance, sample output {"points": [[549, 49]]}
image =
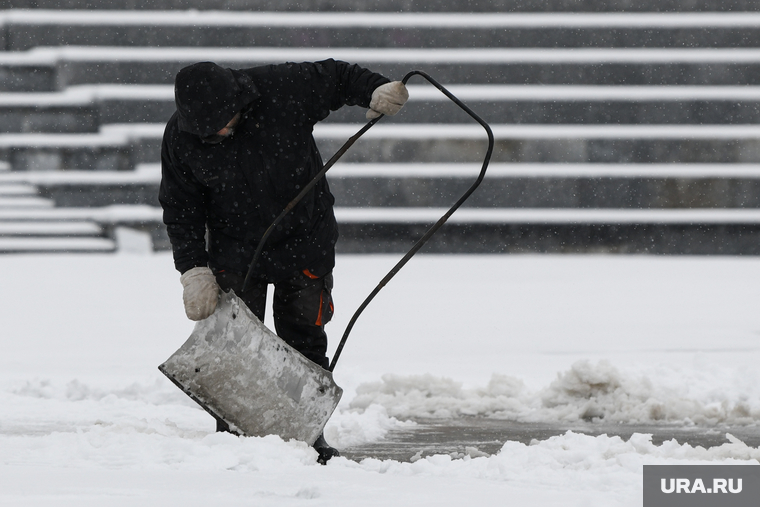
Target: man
{"points": [[238, 149]]}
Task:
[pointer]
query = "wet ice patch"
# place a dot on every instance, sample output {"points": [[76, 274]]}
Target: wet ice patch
{"points": [[586, 391], [615, 463]]}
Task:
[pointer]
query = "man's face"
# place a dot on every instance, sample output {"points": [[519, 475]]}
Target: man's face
{"points": [[224, 132]]}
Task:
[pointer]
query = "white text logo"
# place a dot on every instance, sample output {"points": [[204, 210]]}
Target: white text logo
{"points": [[698, 486]]}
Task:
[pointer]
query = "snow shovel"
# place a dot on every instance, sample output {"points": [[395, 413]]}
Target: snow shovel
{"points": [[243, 374]]}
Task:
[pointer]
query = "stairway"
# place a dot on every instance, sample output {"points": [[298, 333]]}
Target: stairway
{"points": [[620, 126], [29, 223]]}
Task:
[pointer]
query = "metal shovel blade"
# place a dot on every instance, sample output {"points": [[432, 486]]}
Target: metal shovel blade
{"points": [[244, 374]]}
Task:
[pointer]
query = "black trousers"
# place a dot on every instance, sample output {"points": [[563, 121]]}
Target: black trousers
{"points": [[302, 306]]}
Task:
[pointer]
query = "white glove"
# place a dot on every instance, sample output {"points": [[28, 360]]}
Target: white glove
{"points": [[387, 99], [200, 294]]}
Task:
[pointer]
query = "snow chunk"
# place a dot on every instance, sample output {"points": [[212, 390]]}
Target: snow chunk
{"points": [[587, 391]]}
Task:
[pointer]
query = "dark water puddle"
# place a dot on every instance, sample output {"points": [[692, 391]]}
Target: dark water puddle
{"points": [[478, 437]]}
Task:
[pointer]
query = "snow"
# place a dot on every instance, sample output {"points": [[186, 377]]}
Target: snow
{"points": [[472, 130], [151, 173], [106, 214], [120, 134], [80, 95], [420, 215], [195, 18], [87, 419], [142, 174], [594, 93], [54, 244], [46, 228], [368, 56], [115, 135], [539, 170]]}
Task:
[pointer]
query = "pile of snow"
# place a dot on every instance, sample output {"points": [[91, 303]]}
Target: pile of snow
{"points": [[587, 391]]}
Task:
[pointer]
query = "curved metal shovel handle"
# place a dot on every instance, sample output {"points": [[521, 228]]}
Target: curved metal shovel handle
{"points": [[297, 199], [437, 225]]}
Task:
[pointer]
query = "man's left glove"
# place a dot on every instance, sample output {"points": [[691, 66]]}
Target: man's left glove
{"points": [[201, 292], [387, 99]]}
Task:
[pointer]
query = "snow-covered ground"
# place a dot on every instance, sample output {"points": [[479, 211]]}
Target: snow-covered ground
{"points": [[86, 419]]}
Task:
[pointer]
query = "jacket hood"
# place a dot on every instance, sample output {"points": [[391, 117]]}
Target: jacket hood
{"points": [[209, 96]]}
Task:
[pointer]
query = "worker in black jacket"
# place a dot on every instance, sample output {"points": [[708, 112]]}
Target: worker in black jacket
{"points": [[236, 152]]}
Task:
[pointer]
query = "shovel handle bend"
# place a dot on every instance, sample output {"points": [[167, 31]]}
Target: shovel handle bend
{"points": [[437, 225]]}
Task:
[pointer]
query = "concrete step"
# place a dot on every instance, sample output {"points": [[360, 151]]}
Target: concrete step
{"points": [[31, 28], [691, 232], [123, 146], [580, 104], [389, 142], [123, 227], [82, 109], [48, 69], [83, 188], [477, 230], [622, 186], [105, 150], [400, 5], [30, 223], [625, 186]]}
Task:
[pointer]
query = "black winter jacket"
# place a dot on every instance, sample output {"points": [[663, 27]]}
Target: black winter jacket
{"points": [[238, 187]]}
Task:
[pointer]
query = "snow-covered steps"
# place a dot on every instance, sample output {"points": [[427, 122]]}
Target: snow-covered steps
{"points": [[692, 232], [106, 150], [123, 146], [23, 230], [510, 185], [83, 108], [580, 104], [483, 230], [662, 164], [54, 68], [25, 29], [21, 195], [389, 142], [87, 188], [89, 229], [625, 186]]}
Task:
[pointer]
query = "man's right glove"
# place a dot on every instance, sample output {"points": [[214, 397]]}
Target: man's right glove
{"points": [[387, 99], [201, 292]]}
